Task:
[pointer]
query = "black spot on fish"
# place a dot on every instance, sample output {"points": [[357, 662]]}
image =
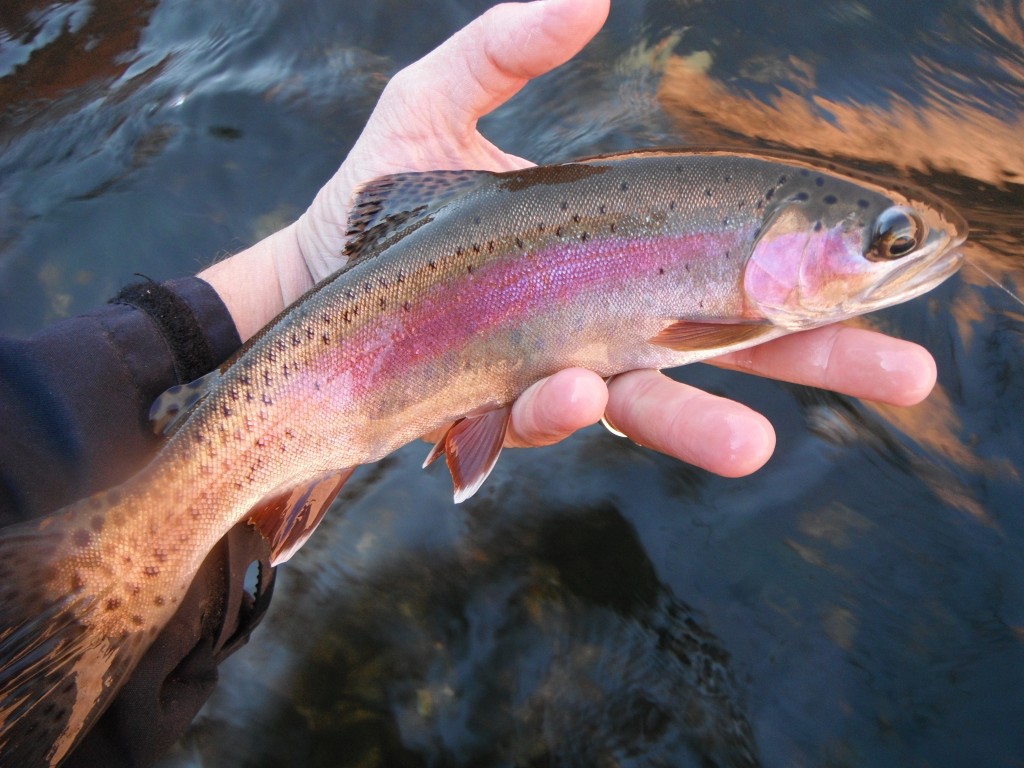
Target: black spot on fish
{"points": [[432, 265], [405, 306], [769, 194], [476, 248], [267, 399], [602, 209], [783, 179], [81, 538], [558, 231], [830, 199], [159, 600], [863, 204], [326, 339], [672, 205], [565, 205], [346, 316], [707, 192], [624, 186], [819, 181], [800, 197], [687, 266], [458, 250], [519, 242], [728, 178], [151, 570], [490, 246], [400, 278], [661, 270], [476, 220], [137, 620], [113, 603], [611, 227], [583, 237], [576, 218], [817, 226], [382, 302], [726, 222], [350, 294], [310, 333], [233, 393], [226, 409], [160, 555], [268, 377], [77, 582], [469, 268]]}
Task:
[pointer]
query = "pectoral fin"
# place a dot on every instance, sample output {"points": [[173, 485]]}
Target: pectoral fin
{"points": [[472, 446], [289, 518], [690, 336]]}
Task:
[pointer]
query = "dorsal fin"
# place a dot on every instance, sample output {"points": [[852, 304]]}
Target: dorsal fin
{"points": [[170, 409], [392, 206]]}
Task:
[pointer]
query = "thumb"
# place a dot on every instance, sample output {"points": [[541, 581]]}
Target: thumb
{"points": [[488, 61]]}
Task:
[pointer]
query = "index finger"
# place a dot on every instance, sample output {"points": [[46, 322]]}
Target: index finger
{"points": [[853, 361]]}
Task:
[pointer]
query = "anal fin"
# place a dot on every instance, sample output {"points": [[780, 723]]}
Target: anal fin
{"points": [[471, 447], [289, 518]]}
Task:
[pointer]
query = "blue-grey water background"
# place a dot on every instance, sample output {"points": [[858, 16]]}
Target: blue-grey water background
{"points": [[858, 602]]}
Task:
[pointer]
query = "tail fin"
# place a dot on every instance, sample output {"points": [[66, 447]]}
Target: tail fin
{"points": [[58, 670]]}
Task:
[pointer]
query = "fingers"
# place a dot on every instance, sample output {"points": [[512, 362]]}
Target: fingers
{"points": [[719, 435], [853, 361], [554, 408]]}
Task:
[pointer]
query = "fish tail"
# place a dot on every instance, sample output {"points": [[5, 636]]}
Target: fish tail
{"points": [[58, 669]]}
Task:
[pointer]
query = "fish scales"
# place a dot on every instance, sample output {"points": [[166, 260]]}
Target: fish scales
{"points": [[464, 288]]}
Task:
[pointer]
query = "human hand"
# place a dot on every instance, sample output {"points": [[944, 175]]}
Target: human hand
{"points": [[426, 119]]}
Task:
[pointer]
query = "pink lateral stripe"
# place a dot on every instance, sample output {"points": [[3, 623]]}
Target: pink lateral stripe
{"points": [[501, 291]]}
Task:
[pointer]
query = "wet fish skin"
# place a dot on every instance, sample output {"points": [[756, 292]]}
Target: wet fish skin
{"points": [[463, 289]]}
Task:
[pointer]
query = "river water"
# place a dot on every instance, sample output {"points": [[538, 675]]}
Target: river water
{"points": [[858, 602]]}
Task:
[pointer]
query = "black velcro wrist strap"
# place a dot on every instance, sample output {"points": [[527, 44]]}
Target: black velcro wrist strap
{"points": [[177, 323]]}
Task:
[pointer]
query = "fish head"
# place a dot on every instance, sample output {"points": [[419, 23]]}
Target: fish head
{"points": [[850, 249]]}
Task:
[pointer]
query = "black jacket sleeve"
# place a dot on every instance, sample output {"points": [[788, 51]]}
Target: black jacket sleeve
{"points": [[74, 403]]}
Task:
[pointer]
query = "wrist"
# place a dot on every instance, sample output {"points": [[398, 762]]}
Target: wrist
{"points": [[258, 283]]}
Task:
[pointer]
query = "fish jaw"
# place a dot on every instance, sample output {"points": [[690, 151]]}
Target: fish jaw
{"points": [[801, 274]]}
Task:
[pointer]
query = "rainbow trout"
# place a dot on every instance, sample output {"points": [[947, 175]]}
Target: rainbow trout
{"points": [[463, 288]]}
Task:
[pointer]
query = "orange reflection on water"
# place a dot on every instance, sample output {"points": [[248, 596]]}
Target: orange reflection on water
{"points": [[937, 133]]}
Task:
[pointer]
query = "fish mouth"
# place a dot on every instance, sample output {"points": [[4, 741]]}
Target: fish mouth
{"points": [[916, 277]]}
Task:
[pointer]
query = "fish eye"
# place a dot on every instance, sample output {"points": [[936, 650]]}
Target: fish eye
{"points": [[898, 231]]}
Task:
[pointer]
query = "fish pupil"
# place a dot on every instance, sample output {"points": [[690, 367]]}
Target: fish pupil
{"points": [[898, 232]]}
